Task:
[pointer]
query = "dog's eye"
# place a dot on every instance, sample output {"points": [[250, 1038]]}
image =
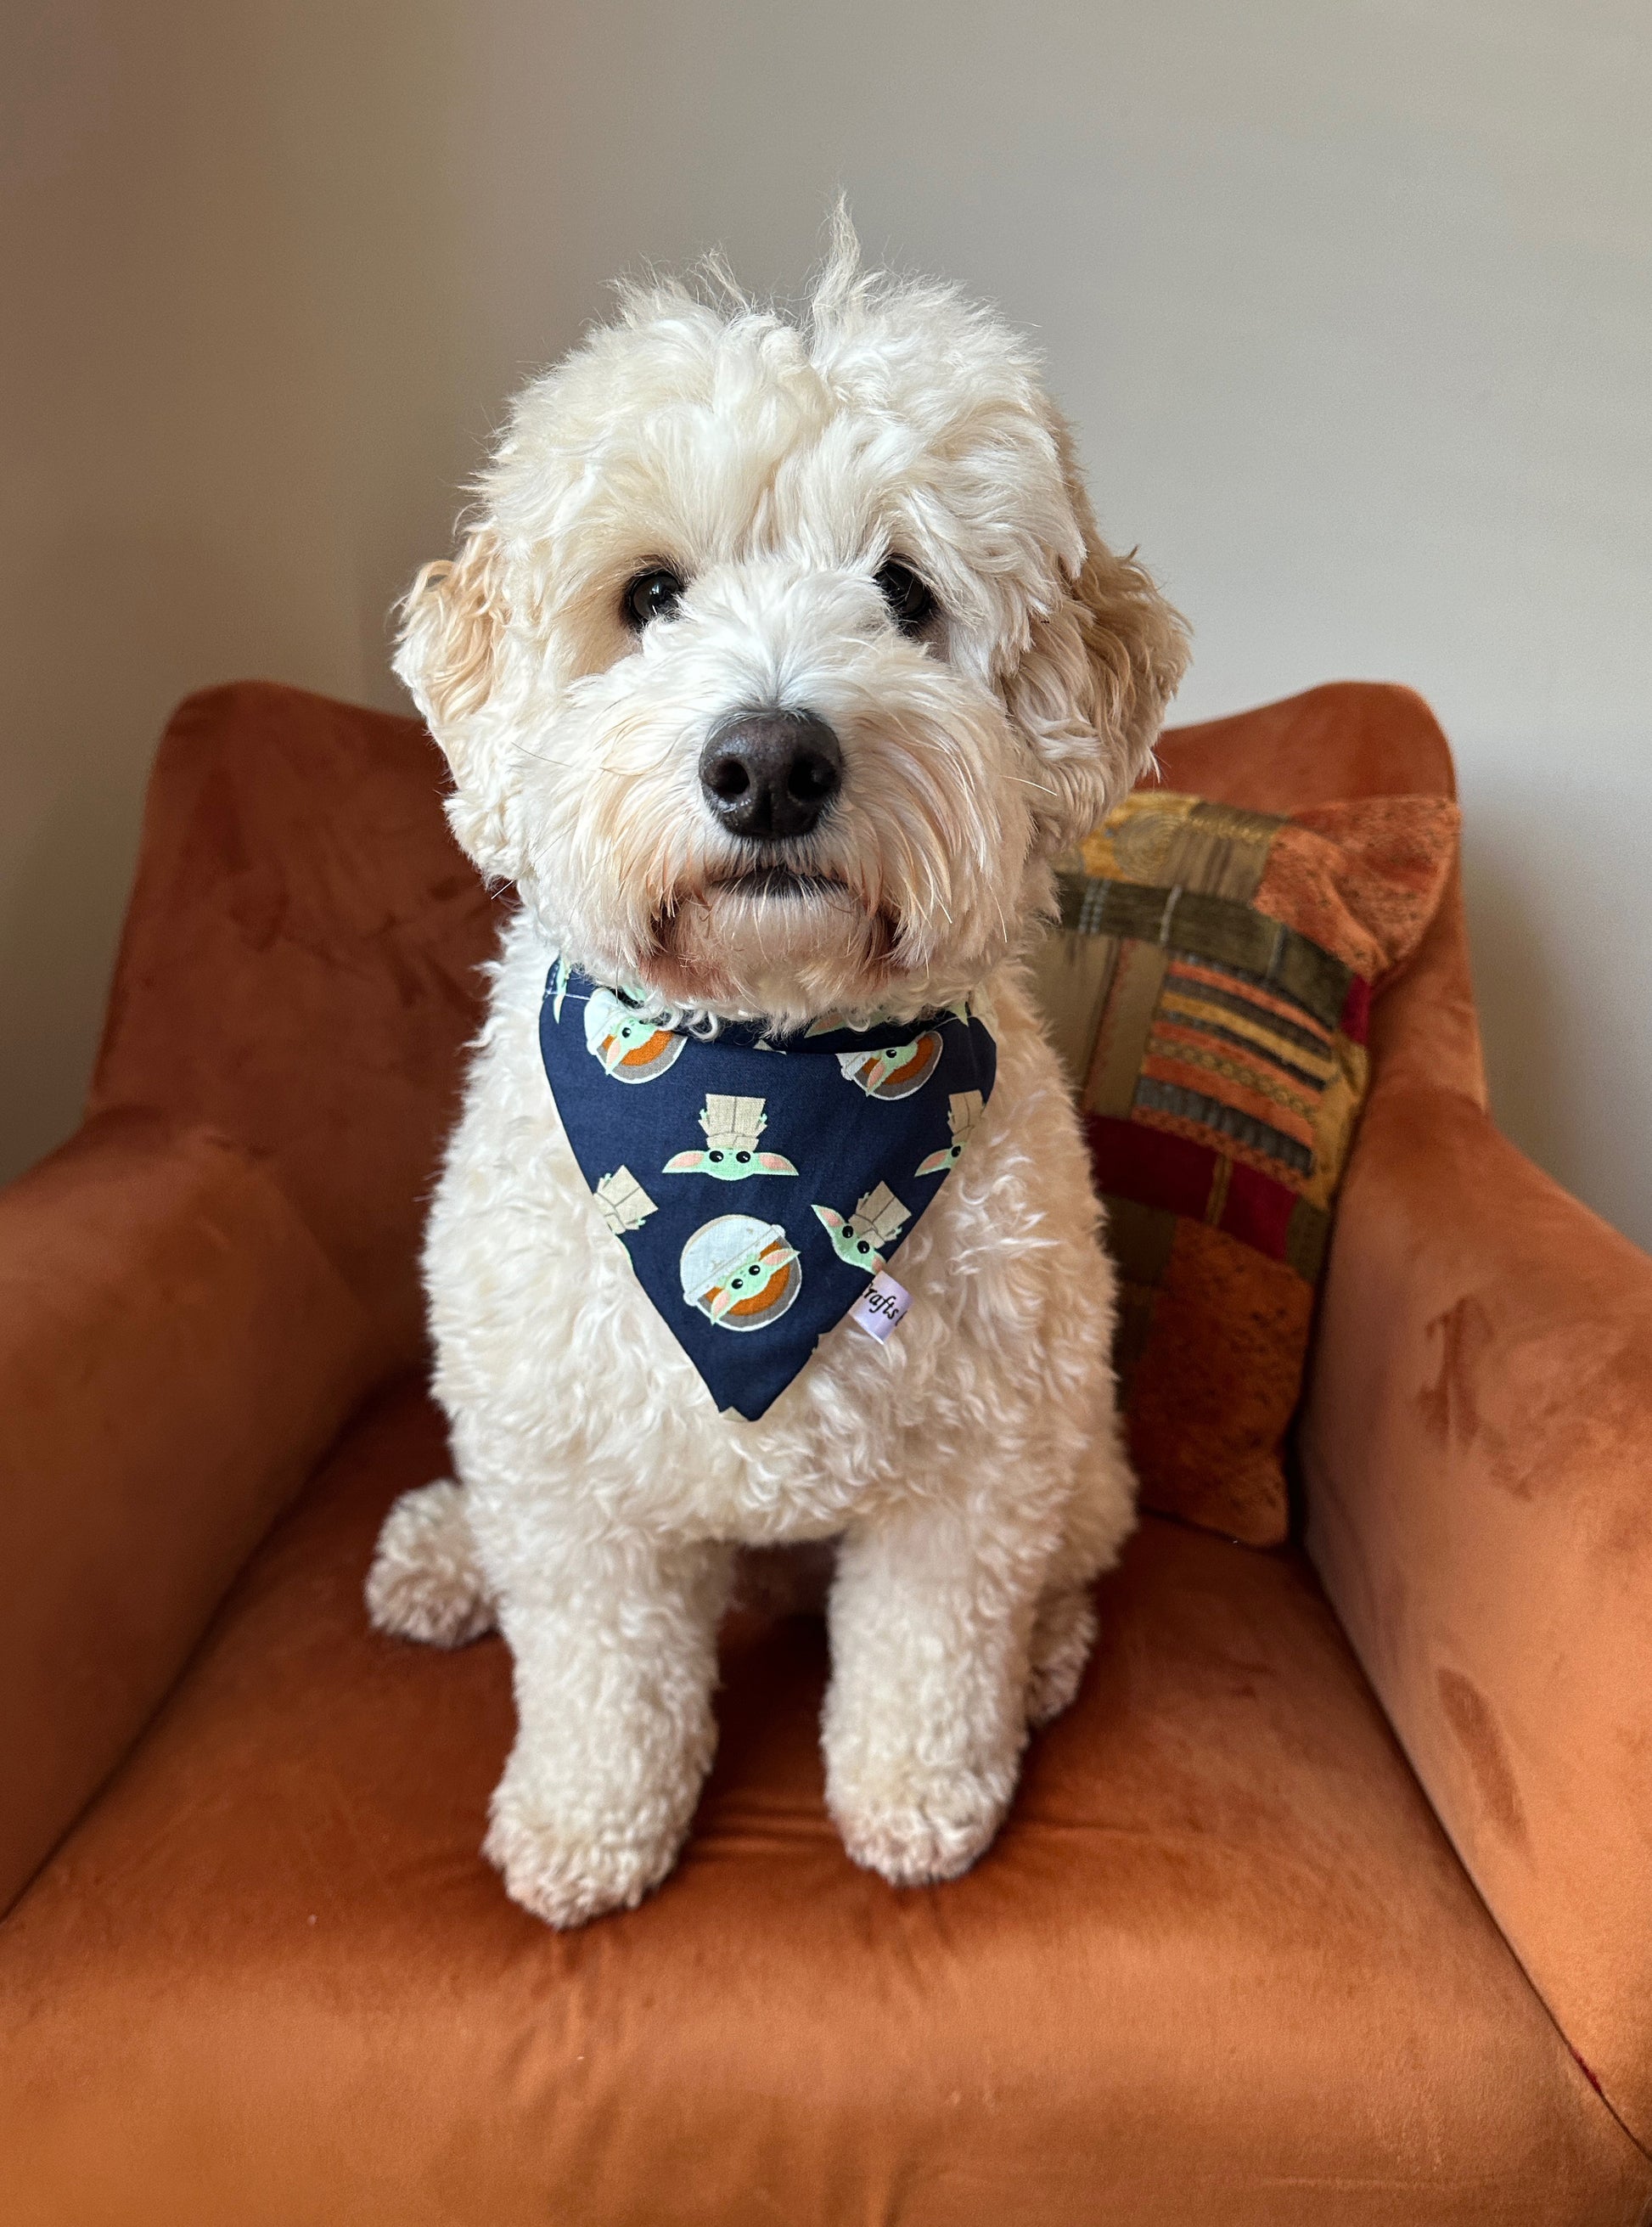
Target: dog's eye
{"points": [[910, 603], [651, 596]]}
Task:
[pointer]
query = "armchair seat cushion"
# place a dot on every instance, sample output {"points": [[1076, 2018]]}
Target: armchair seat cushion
{"points": [[1223, 1964]]}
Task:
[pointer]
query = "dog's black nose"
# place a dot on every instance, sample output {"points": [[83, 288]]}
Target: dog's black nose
{"points": [[769, 775]]}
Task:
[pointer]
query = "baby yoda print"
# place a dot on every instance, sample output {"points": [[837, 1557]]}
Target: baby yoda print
{"points": [[964, 1111], [812, 1109], [629, 1047], [877, 1220], [741, 1274], [732, 1126], [896, 1072], [622, 1202]]}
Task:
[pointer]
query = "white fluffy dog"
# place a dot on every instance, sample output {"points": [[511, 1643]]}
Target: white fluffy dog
{"points": [[869, 522]]}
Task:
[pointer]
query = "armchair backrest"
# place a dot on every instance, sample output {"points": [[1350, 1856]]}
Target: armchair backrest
{"points": [[299, 968]]}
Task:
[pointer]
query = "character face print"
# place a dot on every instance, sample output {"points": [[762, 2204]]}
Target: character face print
{"points": [[732, 1126], [742, 1273], [877, 1220], [629, 1048], [897, 1072], [964, 1111]]}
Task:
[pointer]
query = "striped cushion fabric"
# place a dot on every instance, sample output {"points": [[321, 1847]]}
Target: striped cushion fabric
{"points": [[1210, 991]]}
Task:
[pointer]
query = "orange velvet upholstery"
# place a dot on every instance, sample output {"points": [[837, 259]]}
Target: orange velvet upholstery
{"points": [[1223, 1963], [176, 1353], [1478, 1448], [299, 968]]}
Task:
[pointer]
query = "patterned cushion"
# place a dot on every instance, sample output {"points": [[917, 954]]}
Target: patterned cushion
{"points": [[1209, 991]]}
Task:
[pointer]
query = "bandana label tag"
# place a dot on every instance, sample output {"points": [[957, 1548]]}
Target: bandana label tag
{"points": [[881, 1307]]}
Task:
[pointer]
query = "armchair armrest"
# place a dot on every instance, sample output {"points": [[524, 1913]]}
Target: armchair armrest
{"points": [[1478, 1454], [176, 1350]]}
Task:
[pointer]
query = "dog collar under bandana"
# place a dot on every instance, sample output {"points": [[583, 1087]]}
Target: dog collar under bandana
{"points": [[758, 1182]]}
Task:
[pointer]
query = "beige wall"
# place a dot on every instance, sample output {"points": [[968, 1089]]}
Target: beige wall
{"points": [[1353, 305]]}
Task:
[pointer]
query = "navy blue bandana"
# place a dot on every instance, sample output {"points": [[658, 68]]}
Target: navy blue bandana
{"points": [[759, 1182]]}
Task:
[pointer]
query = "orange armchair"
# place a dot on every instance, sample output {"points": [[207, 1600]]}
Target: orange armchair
{"points": [[1329, 1900]]}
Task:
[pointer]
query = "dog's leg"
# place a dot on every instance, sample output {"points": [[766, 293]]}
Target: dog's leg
{"points": [[1064, 1633], [930, 1618], [1100, 1516], [615, 1649], [427, 1582]]}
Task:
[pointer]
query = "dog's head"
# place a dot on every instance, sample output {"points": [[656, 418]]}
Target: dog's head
{"points": [[779, 657]]}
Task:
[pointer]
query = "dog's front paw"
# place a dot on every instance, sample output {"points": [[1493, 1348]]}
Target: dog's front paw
{"points": [[567, 1875], [425, 1582], [925, 1825]]}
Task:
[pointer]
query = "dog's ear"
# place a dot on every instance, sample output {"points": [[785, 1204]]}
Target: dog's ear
{"points": [[452, 619], [1090, 691], [453, 622]]}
